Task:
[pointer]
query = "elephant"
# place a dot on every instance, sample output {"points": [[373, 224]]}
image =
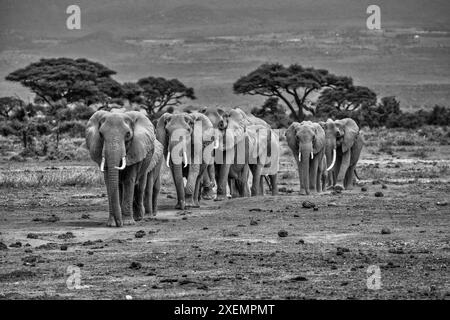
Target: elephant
{"points": [[215, 115], [248, 144], [307, 142], [192, 135], [124, 145], [343, 145]]}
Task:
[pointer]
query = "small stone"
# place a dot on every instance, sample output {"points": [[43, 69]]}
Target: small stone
{"points": [[379, 194], [441, 203], [3, 246], [308, 204], [316, 208], [364, 189], [135, 265], [139, 234], [32, 236], [332, 204], [28, 251], [383, 186], [67, 235], [15, 244], [63, 247], [128, 297], [253, 222], [79, 264], [301, 241], [385, 231], [85, 216], [282, 233], [299, 278]]}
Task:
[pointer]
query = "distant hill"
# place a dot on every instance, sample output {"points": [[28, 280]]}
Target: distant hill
{"points": [[163, 17]]}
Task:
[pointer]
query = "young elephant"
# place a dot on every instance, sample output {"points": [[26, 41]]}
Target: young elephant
{"points": [[343, 144], [124, 145], [307, 142]]}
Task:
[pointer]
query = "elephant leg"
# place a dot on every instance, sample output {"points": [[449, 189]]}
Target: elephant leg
{"points": [[256, 172], [198, 184], [349, 177], [139, 194], [274, 183], [208, 184], [179, 186], [261, 185], [222, 182], [156, 187], [148, 203], [127, 202], [345, 163]]}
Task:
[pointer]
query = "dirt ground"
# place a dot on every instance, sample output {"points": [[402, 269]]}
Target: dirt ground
{"points": [[234, 249]]}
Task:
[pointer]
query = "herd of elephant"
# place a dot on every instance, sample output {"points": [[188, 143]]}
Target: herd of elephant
{"points": [[212, 149]]}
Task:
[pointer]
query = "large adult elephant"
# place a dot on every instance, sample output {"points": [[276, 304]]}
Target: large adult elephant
{"points": [[248, 143], [124, 145], [307, 142], [188, 141], [343, 145]]}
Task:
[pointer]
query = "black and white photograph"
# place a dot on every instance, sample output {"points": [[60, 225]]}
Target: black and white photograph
{"points": [[214, 150]]}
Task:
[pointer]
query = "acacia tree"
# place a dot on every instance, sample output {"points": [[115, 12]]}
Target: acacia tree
{"points": [[68, 80], [158, 93], [61, 81], [342, 100], [293, 85]]}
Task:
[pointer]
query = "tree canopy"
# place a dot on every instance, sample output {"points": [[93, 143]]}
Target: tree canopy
{"points": [[349, 98], [158, 93], [69, 80], [292, 84]]}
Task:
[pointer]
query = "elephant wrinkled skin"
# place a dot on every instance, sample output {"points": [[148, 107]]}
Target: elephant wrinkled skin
{"points": [[307, 142], [124, 145]]}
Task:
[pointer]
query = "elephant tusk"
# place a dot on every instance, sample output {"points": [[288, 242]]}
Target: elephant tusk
{"points": [[168, 159], [216, 144], [102, 165], [124, 164], [300, 157], [312, 155], [334, 160], [185, 159]]}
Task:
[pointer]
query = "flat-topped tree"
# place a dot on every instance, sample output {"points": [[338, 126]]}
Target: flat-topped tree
{"points": [[293, 85], [342, 100], [68, 80], [158, 93]]}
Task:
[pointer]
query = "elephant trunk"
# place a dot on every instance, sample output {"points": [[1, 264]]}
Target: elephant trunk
{"points": [[114, 161], [179, 183], [305, 152]]}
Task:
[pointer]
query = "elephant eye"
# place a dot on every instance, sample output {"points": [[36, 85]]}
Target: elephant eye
{"points": [[101, 135], [128, 135]]}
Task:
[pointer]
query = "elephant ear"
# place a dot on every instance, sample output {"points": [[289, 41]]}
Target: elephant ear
{"points": [[94, 143], [319, 138], [351, 131], [291, 135], [161, 135], [143, 137], [157, 155]]}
